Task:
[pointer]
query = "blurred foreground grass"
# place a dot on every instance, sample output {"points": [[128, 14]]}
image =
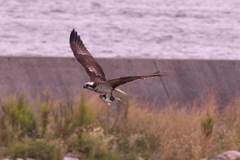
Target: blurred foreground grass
{"points": [[48, 129]]}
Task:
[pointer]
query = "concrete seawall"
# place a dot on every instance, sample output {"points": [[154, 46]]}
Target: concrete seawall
{"points": [[185, 82]]}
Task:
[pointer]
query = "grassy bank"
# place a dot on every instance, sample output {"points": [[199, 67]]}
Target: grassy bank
{"points": [[47, 129]]}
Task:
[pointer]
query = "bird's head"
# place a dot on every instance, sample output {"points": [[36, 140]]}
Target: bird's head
{"points": [[90, 85]]}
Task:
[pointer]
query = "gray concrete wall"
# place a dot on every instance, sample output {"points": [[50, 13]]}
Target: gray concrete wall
{"points": [[186, 81]]}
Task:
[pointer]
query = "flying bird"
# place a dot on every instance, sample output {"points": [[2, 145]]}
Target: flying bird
{"points": [[98, 81]]}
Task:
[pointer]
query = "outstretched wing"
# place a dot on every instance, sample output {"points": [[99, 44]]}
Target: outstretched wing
{"points": [[122, 80], [92, 67]]}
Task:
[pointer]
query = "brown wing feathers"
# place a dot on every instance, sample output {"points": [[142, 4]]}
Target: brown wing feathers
{"points": [[122, 80], [92, 67]]}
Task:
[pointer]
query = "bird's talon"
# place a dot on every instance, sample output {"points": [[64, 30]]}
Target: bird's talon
{"points": [[103, 96], [112, 98]]}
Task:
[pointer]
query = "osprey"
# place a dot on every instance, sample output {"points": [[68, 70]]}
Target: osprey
{"points": [[98, 82]]}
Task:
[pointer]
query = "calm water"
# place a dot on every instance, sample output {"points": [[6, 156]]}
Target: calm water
{"points": [[176, 29]]}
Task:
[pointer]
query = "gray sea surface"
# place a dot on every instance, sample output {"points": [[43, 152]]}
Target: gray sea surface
{"points": [[162, 29]]}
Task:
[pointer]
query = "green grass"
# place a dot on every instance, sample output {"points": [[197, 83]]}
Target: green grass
{"points": [[47, 129]]}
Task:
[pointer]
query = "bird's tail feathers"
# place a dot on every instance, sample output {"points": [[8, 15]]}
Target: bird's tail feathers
{"points": [[120, 91]]}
